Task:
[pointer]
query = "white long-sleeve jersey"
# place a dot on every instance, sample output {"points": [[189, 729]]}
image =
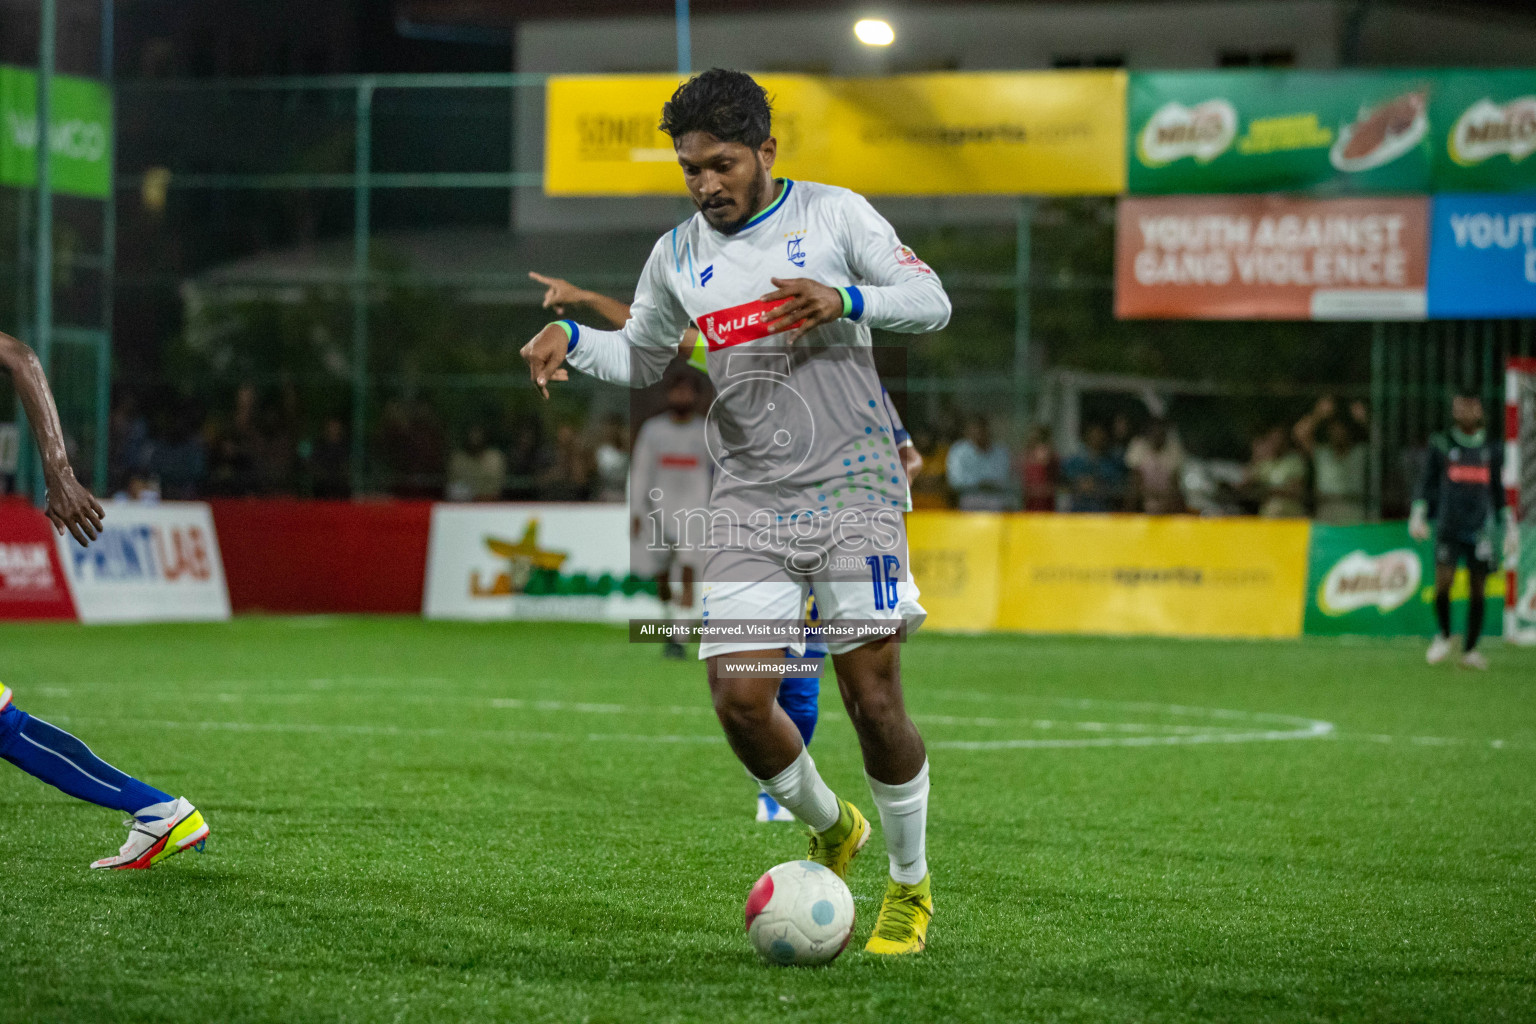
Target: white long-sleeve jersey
{"points": [[802, 428]]}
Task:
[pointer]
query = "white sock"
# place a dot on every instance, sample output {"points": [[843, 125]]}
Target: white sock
{"points": [[799, 787], [904, 819]]}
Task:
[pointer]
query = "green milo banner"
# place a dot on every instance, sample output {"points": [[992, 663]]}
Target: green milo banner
{"points": [[1375, 579], [1319, 131], [1485, 131], [1264, 131], [80, 133]]}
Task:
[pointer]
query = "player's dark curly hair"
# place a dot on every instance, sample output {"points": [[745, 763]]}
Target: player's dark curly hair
{"points": [[727, 104]]}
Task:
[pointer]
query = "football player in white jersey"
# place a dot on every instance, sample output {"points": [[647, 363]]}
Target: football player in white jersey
{"points": [[799, 696], [786, 280], [669, 474]]}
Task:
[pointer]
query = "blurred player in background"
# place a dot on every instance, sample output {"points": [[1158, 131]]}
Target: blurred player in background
{"points": [[799, 696], [669, 474], [1462, 491], [161, 825], [833, 269]]}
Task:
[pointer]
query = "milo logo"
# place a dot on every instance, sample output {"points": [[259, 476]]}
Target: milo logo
{"points": [[1204, 131], [1359, 580], [1487, 129]]}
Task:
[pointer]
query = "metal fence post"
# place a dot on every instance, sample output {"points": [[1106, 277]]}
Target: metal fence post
{"points": [[42, 247], [1022, 278], [360, 237], [1378, 400], [99, 481]]}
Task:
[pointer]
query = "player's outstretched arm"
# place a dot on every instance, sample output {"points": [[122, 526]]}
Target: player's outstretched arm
{"points": [[70, 505], [635, 355], [560, 295]]}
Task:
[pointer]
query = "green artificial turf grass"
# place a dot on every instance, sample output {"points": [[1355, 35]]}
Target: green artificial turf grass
{"points": [[430, 821]]}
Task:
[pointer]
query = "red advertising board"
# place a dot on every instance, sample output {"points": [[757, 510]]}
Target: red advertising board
{"points": [[32, 584], [1271, 257]]}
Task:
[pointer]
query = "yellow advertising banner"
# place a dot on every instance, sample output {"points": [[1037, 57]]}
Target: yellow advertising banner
{"points": [[954, 563], [1028, 132], [1163, 576]]}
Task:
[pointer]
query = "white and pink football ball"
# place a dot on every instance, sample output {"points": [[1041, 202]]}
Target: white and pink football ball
{"points": [[799, 914]]}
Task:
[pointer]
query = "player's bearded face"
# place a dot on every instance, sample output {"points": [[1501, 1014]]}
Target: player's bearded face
{"points": [[728, 181]]}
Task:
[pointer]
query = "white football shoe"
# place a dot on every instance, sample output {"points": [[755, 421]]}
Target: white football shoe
{"points": [[1439, 650], [769, 809], [1474, 659], [150, 842]]}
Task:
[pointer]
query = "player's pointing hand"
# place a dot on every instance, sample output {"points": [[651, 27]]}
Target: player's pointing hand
{"points": [[810, 305], [544, 354], [559, 293]]}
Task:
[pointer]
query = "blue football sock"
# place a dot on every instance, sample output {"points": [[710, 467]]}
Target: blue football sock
{"points": [[59, 759], [798, 696]]}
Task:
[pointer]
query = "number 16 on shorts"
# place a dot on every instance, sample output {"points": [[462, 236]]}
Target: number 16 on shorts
{"points": [[885, 573]]}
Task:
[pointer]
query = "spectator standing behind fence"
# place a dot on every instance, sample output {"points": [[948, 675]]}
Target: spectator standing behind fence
{"points": [[1339, 462], [1094, 478], [1277, 476], [978, 469], [930, 487], [569, 476], [1039, 471], [1155, 459], [330, 462], [611, 461], [477, 471]]}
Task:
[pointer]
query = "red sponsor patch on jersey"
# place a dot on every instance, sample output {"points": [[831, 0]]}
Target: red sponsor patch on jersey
{"points": [[678, 462], [738, 324], [1468, 474]]}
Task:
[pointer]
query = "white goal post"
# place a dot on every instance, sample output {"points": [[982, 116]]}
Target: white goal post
{"points": [[1520, 492]]}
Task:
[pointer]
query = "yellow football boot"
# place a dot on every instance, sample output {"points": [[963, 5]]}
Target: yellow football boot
{"points": [[902, 926], [837, 846]]}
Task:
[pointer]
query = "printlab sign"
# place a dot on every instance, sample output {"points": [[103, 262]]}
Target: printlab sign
{"points": [[1482, 257]]}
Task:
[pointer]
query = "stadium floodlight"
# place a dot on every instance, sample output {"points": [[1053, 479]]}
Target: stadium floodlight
{"points": [[874, 32]]}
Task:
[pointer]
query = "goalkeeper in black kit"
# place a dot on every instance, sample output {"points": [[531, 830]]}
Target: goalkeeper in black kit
{"points": [[1462, 492]]}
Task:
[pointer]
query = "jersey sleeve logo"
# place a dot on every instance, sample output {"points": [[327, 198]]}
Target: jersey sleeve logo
{"points": [[736, 325], [907, 258]]}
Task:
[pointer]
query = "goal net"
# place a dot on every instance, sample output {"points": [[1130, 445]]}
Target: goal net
{"points": [[1520, 490]]}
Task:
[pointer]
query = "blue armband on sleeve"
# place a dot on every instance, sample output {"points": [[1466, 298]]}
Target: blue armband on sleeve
{"points": [[853, 303], [572, 333]]}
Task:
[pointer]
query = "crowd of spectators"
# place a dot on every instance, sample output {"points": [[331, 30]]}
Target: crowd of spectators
{"points": [[1315, 466]]}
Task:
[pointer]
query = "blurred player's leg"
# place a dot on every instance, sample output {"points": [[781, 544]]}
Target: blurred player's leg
{"points": [[46, 752], [664, 592], [1477, 570], [1445, 573]]}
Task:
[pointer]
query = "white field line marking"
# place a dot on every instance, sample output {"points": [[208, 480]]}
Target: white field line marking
{"points": [[1143, 734], [394, 730], [1147, 735]]}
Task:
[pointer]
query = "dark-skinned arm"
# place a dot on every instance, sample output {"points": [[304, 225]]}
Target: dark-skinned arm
{"points": [[70, 506], [560, 295]]}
